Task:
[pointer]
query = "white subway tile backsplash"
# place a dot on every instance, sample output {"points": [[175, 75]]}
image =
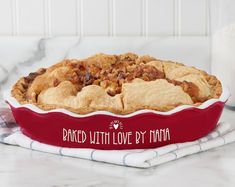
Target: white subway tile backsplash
{"points": [[30, 17], [63, 17], [128, 17], [6, 18], [193, 17], [160, 17], [95, 17], [104, 17]]}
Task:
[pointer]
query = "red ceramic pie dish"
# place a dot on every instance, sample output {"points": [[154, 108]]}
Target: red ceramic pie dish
{"points": [[105, 130]]}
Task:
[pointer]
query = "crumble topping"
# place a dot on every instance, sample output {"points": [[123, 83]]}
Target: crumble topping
{"points": [[117, 83]]}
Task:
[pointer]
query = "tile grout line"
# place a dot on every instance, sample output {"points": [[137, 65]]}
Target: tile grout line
{"points": [[47, 18], [110, 18], [77, 4], [144, 18], [208, 18], [114, 31], [81, 4], [208, 28], [177, 17], [147, 18], [15, 18]]}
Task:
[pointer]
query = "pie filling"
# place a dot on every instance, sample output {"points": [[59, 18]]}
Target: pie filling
{"points": [[117, 83]]}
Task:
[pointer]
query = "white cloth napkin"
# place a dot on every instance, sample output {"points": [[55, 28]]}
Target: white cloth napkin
{"points": [[141, 158]]}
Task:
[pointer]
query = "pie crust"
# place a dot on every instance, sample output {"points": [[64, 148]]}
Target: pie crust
{"points": [[120, 84]]}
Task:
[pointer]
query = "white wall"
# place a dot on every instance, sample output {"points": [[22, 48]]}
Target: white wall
{"points": [[104, 17]]}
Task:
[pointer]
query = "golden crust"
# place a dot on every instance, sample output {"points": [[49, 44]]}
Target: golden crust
{"points": [[120, 84]]}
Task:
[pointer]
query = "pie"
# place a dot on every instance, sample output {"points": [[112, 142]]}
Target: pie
{"points": [[120, 84]]}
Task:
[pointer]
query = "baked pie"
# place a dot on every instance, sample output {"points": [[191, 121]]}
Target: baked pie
{"points": [[120, 84]]}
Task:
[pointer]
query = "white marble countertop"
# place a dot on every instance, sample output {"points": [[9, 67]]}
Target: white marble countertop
{"points": [[22, 167]]}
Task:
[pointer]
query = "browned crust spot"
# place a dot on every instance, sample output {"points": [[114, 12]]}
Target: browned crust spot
{"points": [[110, 72], [19, 90]]}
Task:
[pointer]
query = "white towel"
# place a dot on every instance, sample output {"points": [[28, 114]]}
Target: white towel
{"points": [[141, 158]]}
